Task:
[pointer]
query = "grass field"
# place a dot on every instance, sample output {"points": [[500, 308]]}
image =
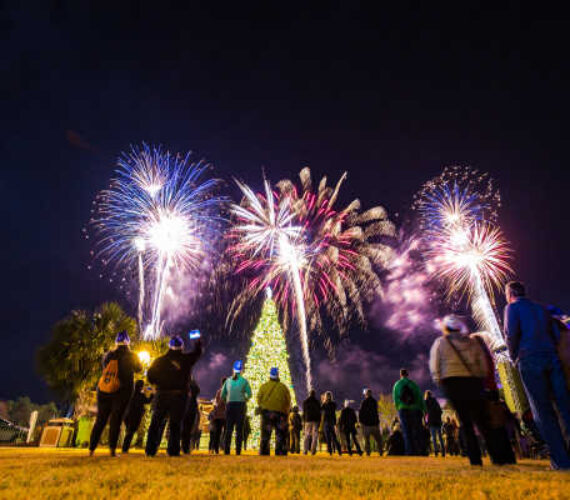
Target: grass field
{"points": [[43, 473]]}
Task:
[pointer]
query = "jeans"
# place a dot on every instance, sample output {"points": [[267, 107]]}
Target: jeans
{"points": [[235, 416], [435, 431], [171, 405], [374, 431], [311, 431], [542, 375], [273, 420], [411, 423], [466, 396], [332, 440], [110, 407]]}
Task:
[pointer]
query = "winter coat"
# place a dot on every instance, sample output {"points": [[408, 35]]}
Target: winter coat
{"points": [[433, 412], [274, 396], [329, 412], [368, 413], [129, 364], [172, 371], [347, 420], [311, 410], [444, 361], [397, 392], [489, 382], [236, 390], [529, 329]]}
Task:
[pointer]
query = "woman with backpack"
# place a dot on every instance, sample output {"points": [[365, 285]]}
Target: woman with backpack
{"points": [[114, 391], [458, 365]]}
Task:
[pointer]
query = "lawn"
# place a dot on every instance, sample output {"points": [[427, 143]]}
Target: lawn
{"points": [[44, 473]]}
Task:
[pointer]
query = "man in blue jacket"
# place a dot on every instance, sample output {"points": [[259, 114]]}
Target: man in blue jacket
{"points": [[531, 337]]}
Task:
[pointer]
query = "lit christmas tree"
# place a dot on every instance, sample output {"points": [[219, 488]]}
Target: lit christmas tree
{"points": [[268, 349]]}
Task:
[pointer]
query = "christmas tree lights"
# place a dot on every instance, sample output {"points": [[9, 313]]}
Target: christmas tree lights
{"points": [[268, 349]]}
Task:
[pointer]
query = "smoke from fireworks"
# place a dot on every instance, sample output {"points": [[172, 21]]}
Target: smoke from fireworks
{"points": [[158, 214], [315, 259], [465, 249]]}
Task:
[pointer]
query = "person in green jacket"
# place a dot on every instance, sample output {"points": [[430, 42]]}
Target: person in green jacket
{"points": [[235, 392], [274, 402], [411, 407]]}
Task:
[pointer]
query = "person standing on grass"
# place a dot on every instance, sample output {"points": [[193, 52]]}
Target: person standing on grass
{"points": [[311, 420], [217, 420], [532, 337], [434, 423], [114, 391], [246, 431], [274, 402], [328, 411], [410, 405], [135, 413], [458, 364], [236, 392], [347, 423], [190, 415], [370, 421], [295, 426], [170, 374]]}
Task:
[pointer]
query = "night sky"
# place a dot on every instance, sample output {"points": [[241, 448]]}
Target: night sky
{"points": [[391, 97]]}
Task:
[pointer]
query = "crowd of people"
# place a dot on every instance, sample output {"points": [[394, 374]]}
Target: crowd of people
{"points": [[461, 365]]}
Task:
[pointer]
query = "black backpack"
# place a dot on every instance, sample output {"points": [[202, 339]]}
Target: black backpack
{"points": [[407, 397]]}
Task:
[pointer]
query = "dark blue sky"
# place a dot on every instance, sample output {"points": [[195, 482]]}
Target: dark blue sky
{"points": [[390, 96]]}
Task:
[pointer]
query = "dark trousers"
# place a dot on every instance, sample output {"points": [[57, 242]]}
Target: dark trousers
{"points": [[331, 439], [235, 416], [348, 434], [218, 426], [411, 424], [273, 420], [188, 423], [131, 424], [171, 405], [372, 431], [110, 407], [499, 446], [466, 396]]}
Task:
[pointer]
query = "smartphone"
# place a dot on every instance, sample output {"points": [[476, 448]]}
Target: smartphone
{"points": [[194, 334]]}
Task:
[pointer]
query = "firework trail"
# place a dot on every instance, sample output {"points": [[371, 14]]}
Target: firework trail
{"points": [[466, 250], [266, 234], [314, 258], [159, 215]]}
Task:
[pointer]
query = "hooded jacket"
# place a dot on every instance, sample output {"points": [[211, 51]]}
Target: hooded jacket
{"points": [[445, 363], [397, 392]]}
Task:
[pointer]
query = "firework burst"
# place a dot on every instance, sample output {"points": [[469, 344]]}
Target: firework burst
{"points": [[315, 258], [465, 249], [158, 214]]}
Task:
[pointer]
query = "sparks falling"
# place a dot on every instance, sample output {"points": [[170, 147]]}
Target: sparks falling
{"points": [[316, 259], [465, 249], [157, 214]]}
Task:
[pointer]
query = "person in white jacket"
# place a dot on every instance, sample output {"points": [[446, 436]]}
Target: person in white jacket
{"points": [[458, 365]]}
